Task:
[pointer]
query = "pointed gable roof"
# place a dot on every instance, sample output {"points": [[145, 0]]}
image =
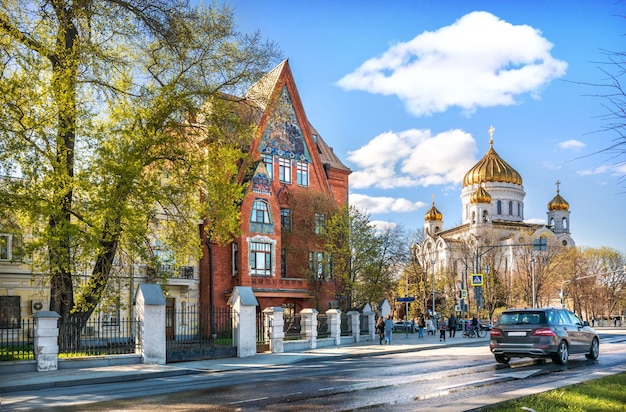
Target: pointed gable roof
{"points": [[261, 92]]}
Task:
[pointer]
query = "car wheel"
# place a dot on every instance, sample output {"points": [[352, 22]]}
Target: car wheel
{"points": [[562, 354], [594, 350], [502, 359]]}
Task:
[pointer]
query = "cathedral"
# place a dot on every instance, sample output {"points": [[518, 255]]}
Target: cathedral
{"points": [[492, 213]]}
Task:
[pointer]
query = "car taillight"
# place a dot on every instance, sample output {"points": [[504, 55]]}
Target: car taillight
{"points": [[495, 333], [544, 332]]}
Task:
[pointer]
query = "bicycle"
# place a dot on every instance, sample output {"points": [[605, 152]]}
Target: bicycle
{"points": [[475, 332]]}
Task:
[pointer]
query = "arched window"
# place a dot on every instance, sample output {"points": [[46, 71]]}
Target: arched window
{"points": [[499, 207], [260, 212], [473, 217], [485, 216], [564, 223], [510, 208]]}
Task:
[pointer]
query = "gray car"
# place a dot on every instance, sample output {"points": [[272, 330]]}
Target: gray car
{"points": [[542, 333]]}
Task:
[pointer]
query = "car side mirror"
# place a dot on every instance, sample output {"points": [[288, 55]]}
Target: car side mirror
{"points": [[585, 323]]}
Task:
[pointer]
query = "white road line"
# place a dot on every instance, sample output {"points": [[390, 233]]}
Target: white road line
{"points": [[250, 400]]}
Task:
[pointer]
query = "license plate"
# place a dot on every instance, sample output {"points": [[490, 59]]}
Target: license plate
{"points": [[517, 333]]}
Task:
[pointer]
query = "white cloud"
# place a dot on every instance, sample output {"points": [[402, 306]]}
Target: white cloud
{"points": [[571, 144], [597, 171], [374, 205], [478, 61], [412, 158]]}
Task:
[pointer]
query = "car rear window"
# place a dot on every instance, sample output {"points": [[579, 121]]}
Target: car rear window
{"points": [[522, 318]]}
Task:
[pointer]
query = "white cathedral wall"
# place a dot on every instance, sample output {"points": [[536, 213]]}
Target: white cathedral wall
{"points": [[504, 192]]}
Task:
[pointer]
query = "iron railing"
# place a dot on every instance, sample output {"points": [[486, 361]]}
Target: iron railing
{"points": [[99, 336], [16, 343]]}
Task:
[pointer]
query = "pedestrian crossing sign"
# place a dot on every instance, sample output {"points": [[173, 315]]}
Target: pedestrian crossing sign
{"points": [[477, 279]]}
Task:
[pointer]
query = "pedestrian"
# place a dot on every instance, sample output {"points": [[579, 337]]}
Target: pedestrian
{"points": [[421, 324], [431, 326], [442, 329], [380, 329], [615, 322], [388, 329], [452, 324]]}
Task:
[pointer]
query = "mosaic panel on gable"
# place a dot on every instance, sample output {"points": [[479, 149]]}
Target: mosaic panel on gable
{"points": [[283, 136]]}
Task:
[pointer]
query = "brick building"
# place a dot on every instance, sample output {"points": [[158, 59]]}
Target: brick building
{"points": [[295, 184]]}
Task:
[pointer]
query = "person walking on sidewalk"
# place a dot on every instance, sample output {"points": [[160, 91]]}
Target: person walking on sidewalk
{"points": [[388, 329], [431, 326], [421, 324], [442, 329], [452, 324], [380, 329]]}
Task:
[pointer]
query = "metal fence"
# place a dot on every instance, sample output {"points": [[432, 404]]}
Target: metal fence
{"points": [[199, 332], [323, 331], [16, 342], [99, 336], [292, 326], [346, 325]]}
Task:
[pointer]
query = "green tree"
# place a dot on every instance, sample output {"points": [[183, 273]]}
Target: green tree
{"points": [[103, 132], [352, 245]]}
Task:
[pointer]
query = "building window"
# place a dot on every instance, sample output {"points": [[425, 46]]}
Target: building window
{"points": [[285, 219], [5, 247], [284, 170], [318, 266], [260, 259], [510, 208], [499, 208], [235, 262], [10, 312], [302, 173], [260, 212], [269, 165], [283, 263], [320, 223], [519, 209]]}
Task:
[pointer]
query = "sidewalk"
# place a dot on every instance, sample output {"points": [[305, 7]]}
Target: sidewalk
{"points": [[29, 381]]}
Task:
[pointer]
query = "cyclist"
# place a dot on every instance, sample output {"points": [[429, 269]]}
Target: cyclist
{"points": [[475, 322]]}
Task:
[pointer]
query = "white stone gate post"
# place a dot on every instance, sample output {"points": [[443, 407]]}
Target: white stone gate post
{"points": [[244, 304], [46, 340], [150, 309], [308, 325], [333, 317], [275, 324], [356, 325]]}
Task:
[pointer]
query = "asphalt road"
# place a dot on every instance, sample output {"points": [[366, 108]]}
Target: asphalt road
{"points": [[421, 380]]}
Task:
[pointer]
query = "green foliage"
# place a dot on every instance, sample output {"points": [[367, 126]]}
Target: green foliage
{"points": [[364, 259], [104, 157], [604, 394]]}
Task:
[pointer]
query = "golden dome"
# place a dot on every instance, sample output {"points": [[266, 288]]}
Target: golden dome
{"points": [[491, 168], [433, 213], [480, 196], [557, 202]]}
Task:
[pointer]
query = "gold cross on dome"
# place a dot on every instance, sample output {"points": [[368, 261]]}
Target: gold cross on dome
{"points": [[491, 130], [557, 186]]}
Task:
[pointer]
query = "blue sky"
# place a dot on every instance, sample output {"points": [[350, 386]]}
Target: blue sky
{"points": [[405, 92]]}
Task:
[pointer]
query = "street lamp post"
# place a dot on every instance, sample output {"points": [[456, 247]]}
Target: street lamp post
{"points": [[433, 265], [534, 290]]}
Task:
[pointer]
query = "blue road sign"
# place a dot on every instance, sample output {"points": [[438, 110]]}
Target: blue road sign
{"points": [[477, 279], [406, 299]]}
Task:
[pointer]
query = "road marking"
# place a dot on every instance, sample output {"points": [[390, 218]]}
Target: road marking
{"points": [[518, 375], [443, 388], [250, 400]]}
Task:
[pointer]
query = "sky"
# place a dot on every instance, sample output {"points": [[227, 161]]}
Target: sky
{"points": [[406, 91]]}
